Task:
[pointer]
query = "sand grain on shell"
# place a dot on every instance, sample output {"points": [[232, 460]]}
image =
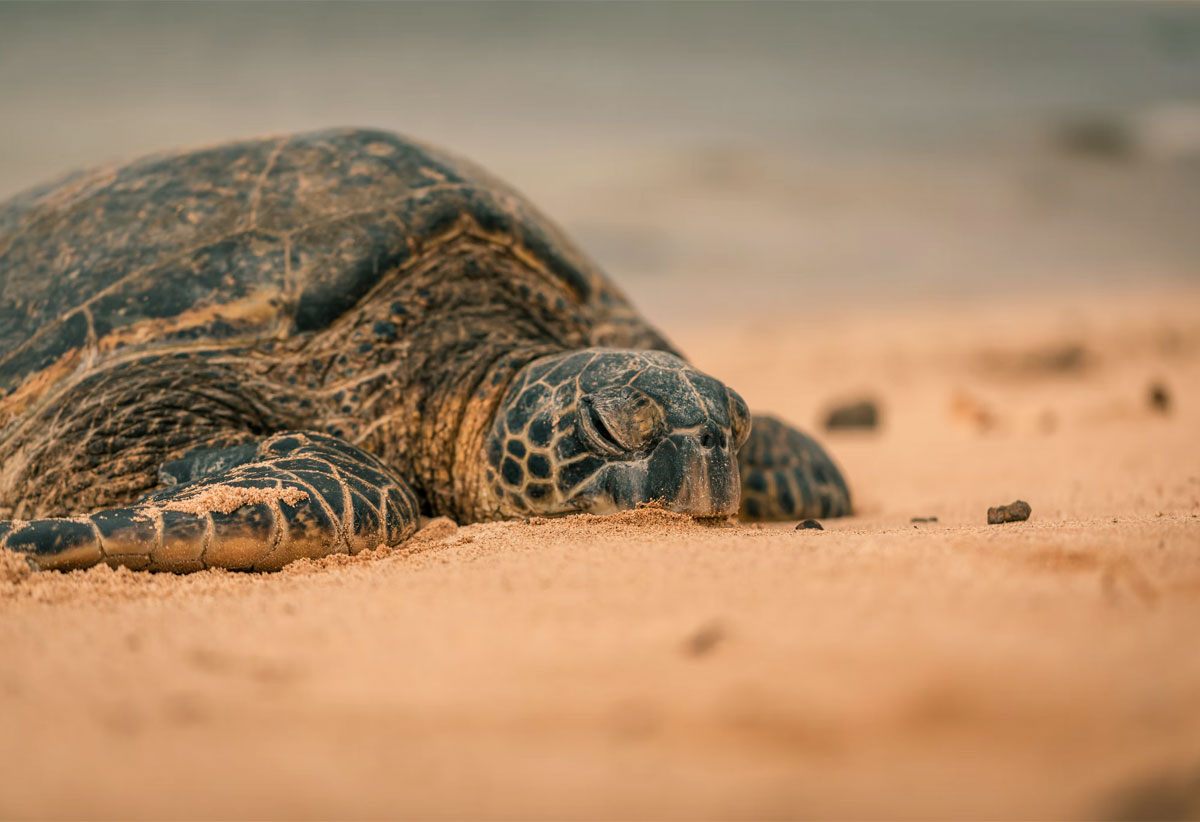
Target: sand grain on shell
{"points": [[225, 499]]}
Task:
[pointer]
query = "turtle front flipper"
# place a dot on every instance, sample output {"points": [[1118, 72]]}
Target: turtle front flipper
{"points": [[296, 494], [787, 475]]}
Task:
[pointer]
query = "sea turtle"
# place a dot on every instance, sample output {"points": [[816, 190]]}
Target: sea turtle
{"points": [[295, 346]]}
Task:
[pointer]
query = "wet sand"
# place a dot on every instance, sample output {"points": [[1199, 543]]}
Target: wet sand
{"points": [[646, 665]]}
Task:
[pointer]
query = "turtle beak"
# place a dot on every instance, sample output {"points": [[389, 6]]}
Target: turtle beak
{"points": [[691, 473], [695, 474]]}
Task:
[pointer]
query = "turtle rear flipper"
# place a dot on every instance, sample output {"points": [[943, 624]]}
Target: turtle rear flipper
{"points": [[304, 495], [786, 474]]}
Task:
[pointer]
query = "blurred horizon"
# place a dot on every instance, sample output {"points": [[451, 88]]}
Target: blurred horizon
{"points": [[816, 152]]}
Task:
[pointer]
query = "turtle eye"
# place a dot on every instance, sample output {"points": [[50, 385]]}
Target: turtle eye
{"points": [[620, 421]]}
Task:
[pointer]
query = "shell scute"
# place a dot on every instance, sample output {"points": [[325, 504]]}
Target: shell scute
{"points": [[335, 264]]}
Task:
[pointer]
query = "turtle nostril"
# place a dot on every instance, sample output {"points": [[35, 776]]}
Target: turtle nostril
{"points": [[712, 437]]}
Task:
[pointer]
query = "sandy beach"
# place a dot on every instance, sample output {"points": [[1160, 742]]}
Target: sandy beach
{"points": [[980, 217], [647, 665]]}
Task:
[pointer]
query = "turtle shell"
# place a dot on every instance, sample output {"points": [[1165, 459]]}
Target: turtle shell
{"points": [[247, 242]]}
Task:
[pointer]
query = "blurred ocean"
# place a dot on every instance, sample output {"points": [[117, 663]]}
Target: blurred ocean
{"points": [[708, 155]]}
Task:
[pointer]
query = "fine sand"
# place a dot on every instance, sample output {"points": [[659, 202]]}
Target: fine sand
{"points": [[646, 665], [783, 187]]}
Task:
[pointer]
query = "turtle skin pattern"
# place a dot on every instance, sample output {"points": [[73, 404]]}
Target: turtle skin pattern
{"points": [[787, 475], [295, 494], [674, 431]]}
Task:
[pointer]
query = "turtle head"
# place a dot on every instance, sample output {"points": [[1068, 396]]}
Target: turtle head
{"points": [[601, 430]]}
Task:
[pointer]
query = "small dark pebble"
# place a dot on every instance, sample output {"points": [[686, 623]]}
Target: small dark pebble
{"points": [[862, 414], [1062, 358], [1161, 796], [1013, 512], [705, 639], [810, 523], [1097, 137], [923, 519], [1160, 398]]}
